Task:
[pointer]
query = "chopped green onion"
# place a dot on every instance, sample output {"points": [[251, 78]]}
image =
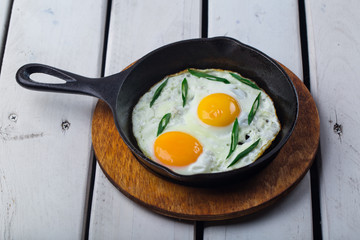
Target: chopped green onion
{"points": [[163, 123], [234, 137], [254, 108], [207, 76], [245, 81], [244, 153], [184, 91], [157, 92]]}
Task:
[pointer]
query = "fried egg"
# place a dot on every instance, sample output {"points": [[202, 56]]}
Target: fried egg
{"points": [[197, 134]]}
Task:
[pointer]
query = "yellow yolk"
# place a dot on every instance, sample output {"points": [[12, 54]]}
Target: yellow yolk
{"points": [[218, 109], [177, 148]]}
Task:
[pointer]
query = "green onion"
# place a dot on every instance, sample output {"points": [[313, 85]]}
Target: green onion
{"points": [[157, 92], [244, 153], [254, 108], [245, 81], [234, 137], [207, 76], [184, 91], [163, 123]]}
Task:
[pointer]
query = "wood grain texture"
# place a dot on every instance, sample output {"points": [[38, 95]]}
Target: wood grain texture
{"points": [[136, 28], [233, 201], [334, 52], [44, 165]]}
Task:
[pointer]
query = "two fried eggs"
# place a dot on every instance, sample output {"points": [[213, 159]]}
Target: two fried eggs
{"points": [[198, 134]]}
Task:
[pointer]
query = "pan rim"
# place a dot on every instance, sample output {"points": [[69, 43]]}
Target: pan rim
{"points": [[203, 177]]}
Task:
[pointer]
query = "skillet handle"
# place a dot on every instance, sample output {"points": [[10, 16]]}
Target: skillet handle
{"points": [[105, 89]]}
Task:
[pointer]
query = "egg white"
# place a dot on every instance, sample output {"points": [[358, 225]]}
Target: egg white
{"points": [[214, 140]]}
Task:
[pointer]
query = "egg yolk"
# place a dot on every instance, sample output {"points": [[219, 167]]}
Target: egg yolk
{"points": [[177, 148], [218, 109]]}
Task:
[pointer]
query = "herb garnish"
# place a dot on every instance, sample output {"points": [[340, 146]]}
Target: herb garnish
{"points": [[184, 91], [245, 81], [163, 123], [157, 92], [234, 137], [254, 108], [207, 76], [244, 153]]}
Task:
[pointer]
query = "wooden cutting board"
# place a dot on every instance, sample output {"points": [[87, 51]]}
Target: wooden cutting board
{"points": [[231, 201]]}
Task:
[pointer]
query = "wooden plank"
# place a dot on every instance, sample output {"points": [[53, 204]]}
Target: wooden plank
{"points": [[334, 50], [136, 29], [4, 15], [271, 223], [273, 28], [44, 164]]}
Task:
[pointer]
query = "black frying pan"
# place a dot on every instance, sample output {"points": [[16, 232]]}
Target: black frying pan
{"points": [[122, 91]]}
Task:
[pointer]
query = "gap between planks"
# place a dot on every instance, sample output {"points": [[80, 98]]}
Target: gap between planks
{"points": [[92, 162], [199, 225], [314, 175]]}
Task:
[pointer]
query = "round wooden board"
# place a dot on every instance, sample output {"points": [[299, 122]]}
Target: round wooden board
{"points": [[208, 204]]}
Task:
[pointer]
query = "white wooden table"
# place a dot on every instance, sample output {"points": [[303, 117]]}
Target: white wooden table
{"points": [[50, 184]]}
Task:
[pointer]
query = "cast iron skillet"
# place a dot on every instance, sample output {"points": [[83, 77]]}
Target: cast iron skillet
{"points": [[122, 91]]}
